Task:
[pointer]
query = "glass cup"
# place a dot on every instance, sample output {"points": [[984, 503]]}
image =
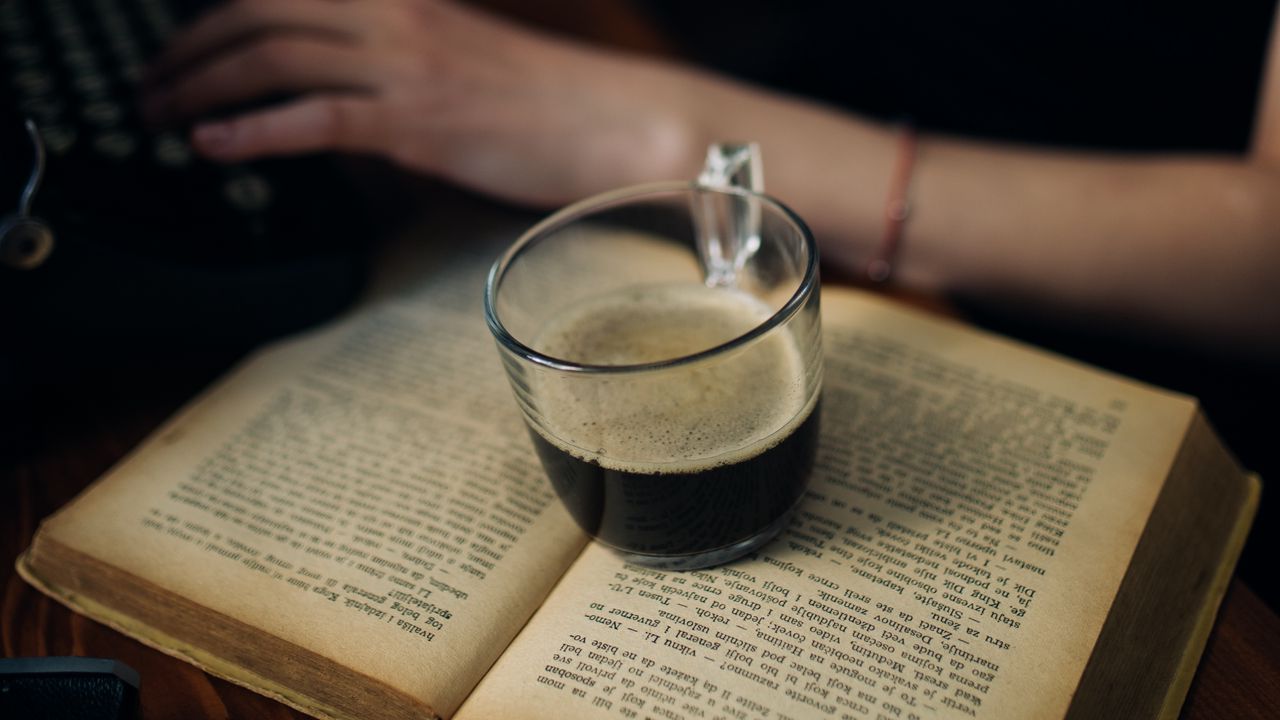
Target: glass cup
{"points": [[664, 344]]}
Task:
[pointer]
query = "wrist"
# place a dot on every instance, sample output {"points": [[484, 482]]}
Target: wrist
{"points": [[649, 124], [683, 123]]}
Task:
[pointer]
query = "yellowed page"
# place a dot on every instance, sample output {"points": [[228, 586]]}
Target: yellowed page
{"points": [[367, 494], [973, 511]]}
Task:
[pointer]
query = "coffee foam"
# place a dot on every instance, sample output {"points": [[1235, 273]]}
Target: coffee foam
{"points": [[682, 419]]}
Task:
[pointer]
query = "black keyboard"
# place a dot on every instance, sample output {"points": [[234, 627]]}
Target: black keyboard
{"points": [[152, 241]]}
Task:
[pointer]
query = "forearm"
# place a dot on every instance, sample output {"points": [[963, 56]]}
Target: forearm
{"points": [[1187, 244]]}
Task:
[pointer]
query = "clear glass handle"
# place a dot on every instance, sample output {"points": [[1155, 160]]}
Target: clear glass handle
{"points": [[728, 234]]}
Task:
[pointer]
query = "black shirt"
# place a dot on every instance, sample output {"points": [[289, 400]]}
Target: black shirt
{"points": [[1146, 75]]}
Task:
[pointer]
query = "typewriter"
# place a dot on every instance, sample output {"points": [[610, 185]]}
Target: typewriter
{"points": [[150, 243]]}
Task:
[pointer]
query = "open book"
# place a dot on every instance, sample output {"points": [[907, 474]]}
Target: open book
{"points": [[354, 522]]}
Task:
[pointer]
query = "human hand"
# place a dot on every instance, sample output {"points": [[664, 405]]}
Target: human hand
{"points": [[434, 87]]}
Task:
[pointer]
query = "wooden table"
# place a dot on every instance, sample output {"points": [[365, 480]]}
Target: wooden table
{"points": [[74, 429]]}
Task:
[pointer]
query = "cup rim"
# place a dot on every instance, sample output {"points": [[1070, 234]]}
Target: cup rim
{"points": [[807, 286]]}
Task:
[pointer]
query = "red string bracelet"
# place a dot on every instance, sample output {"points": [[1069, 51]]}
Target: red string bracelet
{"points": [[896, 209]]}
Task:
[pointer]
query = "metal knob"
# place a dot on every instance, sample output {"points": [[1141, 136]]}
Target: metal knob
{"points": [[27, 241]]}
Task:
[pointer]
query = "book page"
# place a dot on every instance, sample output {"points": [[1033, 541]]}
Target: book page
{"points": [[367, 494], [973, 510]]}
